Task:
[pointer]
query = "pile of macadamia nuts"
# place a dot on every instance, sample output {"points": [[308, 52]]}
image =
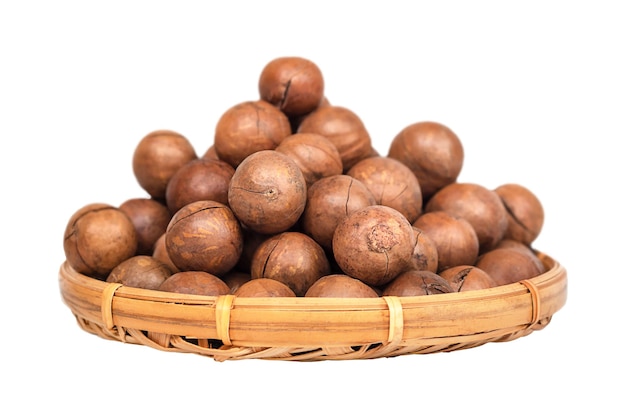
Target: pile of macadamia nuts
{"points": [[292, 200]]}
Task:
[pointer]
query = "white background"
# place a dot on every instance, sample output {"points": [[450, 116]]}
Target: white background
{"points": [[535, 90]]}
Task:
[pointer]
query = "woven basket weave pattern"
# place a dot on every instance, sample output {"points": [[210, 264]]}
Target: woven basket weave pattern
{"points": [[307, 329]]}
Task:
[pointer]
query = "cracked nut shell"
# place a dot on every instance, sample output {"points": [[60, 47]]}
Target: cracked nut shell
{"points": [[204, 236], [268, 192], [374, 244], [292, 258], [97, 238]]}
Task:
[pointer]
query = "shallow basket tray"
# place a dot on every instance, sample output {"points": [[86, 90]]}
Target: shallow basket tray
{"points": [[306, 329]]}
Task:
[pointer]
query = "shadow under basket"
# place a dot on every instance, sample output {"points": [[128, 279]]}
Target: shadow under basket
{"points": [[308, 329]]}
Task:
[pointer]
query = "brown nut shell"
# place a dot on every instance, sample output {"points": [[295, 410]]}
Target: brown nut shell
{"points": [[316, 156], [204, 236], [425, 256], [374, 244], [454, 237], [343, 128], [150, 218], [413, 283], [97, 238], [140, 271], [480, 206], [264, 287], [392, 183], [292, 258], [268, 192], [249, 127], [524, 212], [507, 265], [195, 282], [157, 157], [467, 278], [340, 286], [329, 201], [293, 84], [432, 151], [200, 179], [160, 253]]}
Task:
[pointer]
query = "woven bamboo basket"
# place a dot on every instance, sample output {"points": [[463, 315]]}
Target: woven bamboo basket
{"points": [[307, 329]]}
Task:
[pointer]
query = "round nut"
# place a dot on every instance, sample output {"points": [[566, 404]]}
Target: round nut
{"points": [[374, 244], [204, 236], [268, 192], [97, 238]]}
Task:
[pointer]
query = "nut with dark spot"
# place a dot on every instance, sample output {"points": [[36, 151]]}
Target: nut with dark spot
{"points": [[268, 192], [425, 255], [374, 244], [454, 237]]}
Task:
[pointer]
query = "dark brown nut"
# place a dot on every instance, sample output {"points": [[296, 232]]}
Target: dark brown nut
{"points": [[150, 218], [97, 238], [524, 212], [374, 244], [200, 179], [454, 237], [425, 255], [316, 156], [160, 253], [264, 287], [480, 206], [344, 129], [268, 192], [294, 84], [247, 128], [413, 282], [235, 279], [195, 282], [329, 201], [340, 286], [157, 157], [392, 183], [432, 151], [292, 258], [204, 236], [140, 271], [467, 278], [506, 265]]}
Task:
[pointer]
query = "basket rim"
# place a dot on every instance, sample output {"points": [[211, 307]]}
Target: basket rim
{"points": [[474, 316]]}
